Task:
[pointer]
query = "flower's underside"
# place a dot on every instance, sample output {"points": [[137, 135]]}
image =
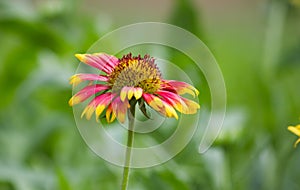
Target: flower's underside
{"points": [[126, 79]]}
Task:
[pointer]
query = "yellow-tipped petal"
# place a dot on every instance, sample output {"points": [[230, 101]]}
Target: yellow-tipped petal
{"points": [[192, 91], [72, 101], [113, 117], [294, 130], [179, 106], [88, 112], [123, 94], [295, 145], [80, 57], [110, 115], [170, 112], [191, 107], [121, 116], [196, 91], [138, 92], [83, 112], [130, 93], [75, 80], [99, 110], [108, 112], [158, 101]]}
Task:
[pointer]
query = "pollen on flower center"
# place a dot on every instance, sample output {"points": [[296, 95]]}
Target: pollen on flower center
{"points": [[135, 72]]}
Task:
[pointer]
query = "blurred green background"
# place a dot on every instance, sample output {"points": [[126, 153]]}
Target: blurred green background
{"points": [[256, 43]]}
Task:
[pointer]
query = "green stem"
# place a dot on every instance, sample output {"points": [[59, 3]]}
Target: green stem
{"points": [[130, 138]]}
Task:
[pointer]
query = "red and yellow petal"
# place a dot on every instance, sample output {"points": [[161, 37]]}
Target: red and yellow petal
{"points": [[78, 78], [101, 61], [99, 101], [103, 103], [120, 108], [168, 110], [181, 104], [87, 92], [88, 112], [191, 106], [153, 101], [110, 114], [179, 87], [173, 99]]}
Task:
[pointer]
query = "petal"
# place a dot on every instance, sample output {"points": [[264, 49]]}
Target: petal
{"points": [[173, 99], [160, 105], [78, 78], [294, 130], [183, 105], [295, 145], [138, 92], [88, 112], [130, 92], [191, 106], [123, 93], [103, 103], [153, 101], [169, 111], [91, 107], [179, 87], [86, 92], [101, 61], [109, 112], [120, 108]]}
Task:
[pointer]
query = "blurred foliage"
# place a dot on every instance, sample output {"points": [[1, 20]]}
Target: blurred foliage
{"points": [[42, 149]]}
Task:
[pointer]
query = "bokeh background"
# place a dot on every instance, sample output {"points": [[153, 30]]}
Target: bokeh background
{"points": [[257, 46]]}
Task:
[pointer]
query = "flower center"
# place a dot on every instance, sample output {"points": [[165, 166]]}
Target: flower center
{"points": [[136, 72]]}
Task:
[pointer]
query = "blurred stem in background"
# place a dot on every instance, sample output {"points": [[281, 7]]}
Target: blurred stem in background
{"points": [[272, 54], [186, 16], [275, 22]]}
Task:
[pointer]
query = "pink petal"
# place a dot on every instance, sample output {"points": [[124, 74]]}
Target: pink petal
{"points": [[87, 92], [103, 103], [153, 101], [160, 105], [78, 78], [183, 105], [173, 99], [179, 87], [120, 108], [99, 100], [101, 61]]}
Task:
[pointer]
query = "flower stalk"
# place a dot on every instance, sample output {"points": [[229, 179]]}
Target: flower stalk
{"points": [[130, 139]]}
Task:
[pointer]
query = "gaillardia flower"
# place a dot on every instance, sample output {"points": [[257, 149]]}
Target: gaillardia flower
{"points": [[131, 78], [296, 131]]}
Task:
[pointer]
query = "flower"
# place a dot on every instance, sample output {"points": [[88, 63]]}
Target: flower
{"points": [[131, 78], [296, 131]]}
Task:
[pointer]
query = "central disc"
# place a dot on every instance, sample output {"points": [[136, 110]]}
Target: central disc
{"points": [[136, 72]]}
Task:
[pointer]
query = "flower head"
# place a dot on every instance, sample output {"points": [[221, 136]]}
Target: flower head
{"points": [[296, 131], [131, 78]]}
